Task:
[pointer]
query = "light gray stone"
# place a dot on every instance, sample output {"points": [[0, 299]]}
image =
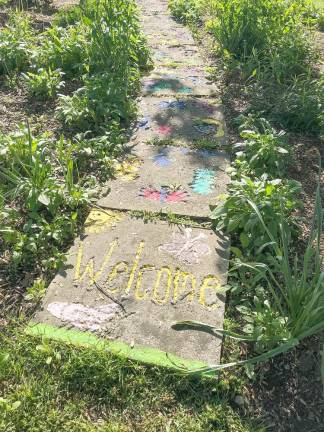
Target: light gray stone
{"points": [[186, 119], [170, 179], [177, 83], [130, 281]]}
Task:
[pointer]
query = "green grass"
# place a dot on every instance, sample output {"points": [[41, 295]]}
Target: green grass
{"points": [[48, 387], [319, 3]]}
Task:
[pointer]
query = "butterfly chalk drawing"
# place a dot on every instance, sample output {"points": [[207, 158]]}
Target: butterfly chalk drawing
{"points": [[164, 194], [203, 181], [187, 248]]}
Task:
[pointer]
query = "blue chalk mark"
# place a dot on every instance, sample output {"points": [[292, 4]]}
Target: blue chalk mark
{"points": [[203, 181], [143, 122], [179, 104], [184, 150], [162, 160]]}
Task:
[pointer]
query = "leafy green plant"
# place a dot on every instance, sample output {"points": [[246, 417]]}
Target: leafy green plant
{"points": [[65, 49], [246, 26], [260, 153], [185, 11], [294, 286], [16, 43], [273, 198], [45, 83], [46, 193]]}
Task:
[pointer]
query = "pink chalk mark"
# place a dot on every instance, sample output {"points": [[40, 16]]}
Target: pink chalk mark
{"points": [[164, 130]]}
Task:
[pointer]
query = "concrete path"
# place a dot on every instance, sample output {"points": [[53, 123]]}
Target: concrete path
{"points": [[128, 280]]}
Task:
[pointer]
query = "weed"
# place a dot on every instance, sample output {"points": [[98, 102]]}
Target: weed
{"points": [[185, 11], [261, 152], [272, 198], [16, 43], [44, 84]]}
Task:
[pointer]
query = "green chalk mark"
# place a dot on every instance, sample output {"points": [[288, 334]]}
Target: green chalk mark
{"points": [[146, 355]]}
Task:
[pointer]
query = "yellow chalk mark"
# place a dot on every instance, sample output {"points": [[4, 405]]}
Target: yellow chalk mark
{"points": [[140, 293], [99, 220], [89, 268], [128, 169], [209, 283], [156, 296], [180, 282], [134, 267], [120, 267]]}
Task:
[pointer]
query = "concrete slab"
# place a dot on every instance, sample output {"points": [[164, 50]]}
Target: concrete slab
{"points": [[186, 119], [175, 57], [166, 83], [173, 37], [129, 281], [171, 179]]}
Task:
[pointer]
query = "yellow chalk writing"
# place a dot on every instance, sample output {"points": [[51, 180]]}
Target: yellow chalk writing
{"points": [[209, 283], [120, 267], [89, 268], [180, 283], [134, 267], [140, 292], [156, 296]]}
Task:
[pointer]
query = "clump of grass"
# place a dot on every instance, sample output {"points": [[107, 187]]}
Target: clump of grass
{"points": [[90, 390]]}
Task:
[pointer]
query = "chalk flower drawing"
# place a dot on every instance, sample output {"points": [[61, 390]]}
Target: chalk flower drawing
{"points": [[84, 317], [164, 194], [203, 181], [186, 248], [99, 221]]}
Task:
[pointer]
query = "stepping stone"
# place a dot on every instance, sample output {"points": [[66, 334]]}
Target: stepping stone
{"points": [[153, 8], [125, 284], [173, 37], [169, 179], [177, 57], [186, 120], [166, 83]]}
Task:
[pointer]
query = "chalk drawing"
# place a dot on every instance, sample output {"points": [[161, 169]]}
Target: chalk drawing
{"points": [[185, 90], [143, 123], [186, 248], [100, 220], [164, 129], [203, 181], [164, 194], [184, 150], [162, 159], [128, 169], [174, 105], [84, 317], [205, 128]]}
